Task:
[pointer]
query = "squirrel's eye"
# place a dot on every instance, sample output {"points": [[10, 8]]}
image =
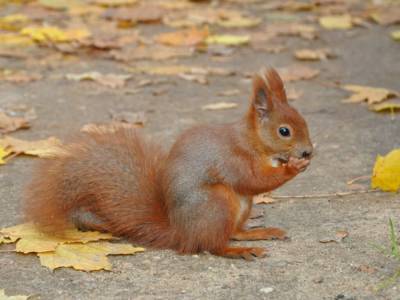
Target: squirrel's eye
{"points": [[284, 131]]}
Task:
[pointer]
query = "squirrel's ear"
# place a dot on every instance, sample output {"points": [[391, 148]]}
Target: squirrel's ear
{"points": [[275, 85], [261, 98]]}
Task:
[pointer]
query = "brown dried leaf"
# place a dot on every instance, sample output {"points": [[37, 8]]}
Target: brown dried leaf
{"points": [[313, 54], [42, 148], [372, 95], [10, 124], [155, 52], [297, 72], [15, 76], [109, 80], [135, 118], [145, 13], [339, 236], [387, 15], [108, 127], [189, 37], [263, 199]]}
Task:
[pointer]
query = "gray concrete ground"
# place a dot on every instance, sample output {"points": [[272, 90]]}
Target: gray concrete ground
{"points": [[348, 138]]}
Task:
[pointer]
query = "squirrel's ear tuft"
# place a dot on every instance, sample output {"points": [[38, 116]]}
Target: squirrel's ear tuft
{"points": [[275, 85], [261, 99]]}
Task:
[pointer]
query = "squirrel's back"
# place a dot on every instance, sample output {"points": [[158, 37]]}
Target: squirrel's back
{"points": [[104, 178]]}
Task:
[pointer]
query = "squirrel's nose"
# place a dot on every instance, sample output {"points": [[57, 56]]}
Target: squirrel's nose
{"points": [[306, 154]]}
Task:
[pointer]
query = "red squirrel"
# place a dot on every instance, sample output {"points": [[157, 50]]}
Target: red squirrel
{"points": [[195, 198]]}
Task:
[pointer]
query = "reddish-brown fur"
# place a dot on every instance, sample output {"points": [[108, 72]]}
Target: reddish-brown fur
{"points": [[196, 198]]}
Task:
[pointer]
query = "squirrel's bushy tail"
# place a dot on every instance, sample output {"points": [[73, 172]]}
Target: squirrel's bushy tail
{"points": [[108, 179]]}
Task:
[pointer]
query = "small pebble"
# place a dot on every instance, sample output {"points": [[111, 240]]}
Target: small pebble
{"points": [[266, 290]]}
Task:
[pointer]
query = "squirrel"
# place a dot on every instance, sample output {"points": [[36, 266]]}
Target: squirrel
{"points": [[194, 198]]}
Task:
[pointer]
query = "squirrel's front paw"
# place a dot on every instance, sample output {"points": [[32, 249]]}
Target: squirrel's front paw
{"points": [[297, 165]]}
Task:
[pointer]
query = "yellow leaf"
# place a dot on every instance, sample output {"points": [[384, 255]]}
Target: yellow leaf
{"points": [[14, 40], [85, 257], [236, 20], [395, 35], [18, 297], [390, 105], [336, 22], [386, 173], [7, 239], [228, 39], [55, 34], [42, 148], [219, 105], [370, 94], [3, 154], [31, 239], [13, 22]]}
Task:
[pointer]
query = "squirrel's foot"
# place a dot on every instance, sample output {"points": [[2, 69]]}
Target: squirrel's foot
{"points": [[270, 233], [248, 253]]}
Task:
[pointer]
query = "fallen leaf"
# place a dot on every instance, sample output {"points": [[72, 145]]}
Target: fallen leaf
{"points": [[3, 296], [12, 40], [113, 3], [228, 39], [219, 106], [387, 15], [42, 148], [85, 257], [229, 92], [388, 105], [370, 94], [336, 22], [235, 19], [155, 52], [386, 173], [189, 37], [3, 154], [109, 80], [84, 251], [199, 78], [263, 199], [296, 29], [395, 35], [313, 54], [136, 118], [180, 69], [55, 34], [366, 269], [17, 76], [139, 14], [297, 72], [293, 94], [10, 124], [13, 22], [339, 236]]}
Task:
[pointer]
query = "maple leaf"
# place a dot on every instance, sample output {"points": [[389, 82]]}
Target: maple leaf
{"points": [[370, 94], [42, 148], [386, 173], [86, 251]]}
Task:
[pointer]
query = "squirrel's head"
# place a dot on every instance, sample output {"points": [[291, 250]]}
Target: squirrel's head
{"points": [[280, 127]]}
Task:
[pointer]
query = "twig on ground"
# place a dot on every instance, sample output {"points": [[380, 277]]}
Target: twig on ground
{"points": [[326, 195]]}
